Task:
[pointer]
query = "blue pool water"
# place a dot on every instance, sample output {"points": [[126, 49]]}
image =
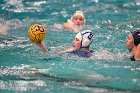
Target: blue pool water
{"points": [[24, 67]]}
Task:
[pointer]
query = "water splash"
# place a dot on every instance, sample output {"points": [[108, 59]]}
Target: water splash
{"points": [[107, 55]]}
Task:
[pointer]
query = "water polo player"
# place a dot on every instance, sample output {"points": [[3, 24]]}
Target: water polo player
{"points": [[76, 22], [81, 44], [133, 44]]}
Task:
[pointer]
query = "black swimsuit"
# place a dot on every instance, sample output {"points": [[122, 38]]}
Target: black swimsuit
{"points": [[132, 58]]}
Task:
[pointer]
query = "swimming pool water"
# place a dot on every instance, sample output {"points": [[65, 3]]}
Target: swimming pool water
{"points": [[24, 67]]}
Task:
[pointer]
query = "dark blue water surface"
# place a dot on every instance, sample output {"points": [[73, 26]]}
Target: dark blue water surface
{"points": [[24, 67]]}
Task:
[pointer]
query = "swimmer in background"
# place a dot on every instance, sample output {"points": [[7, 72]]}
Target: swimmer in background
{"points": [[76, 22], [81, 44], [3, 33], [133, 44], [4, 27]]}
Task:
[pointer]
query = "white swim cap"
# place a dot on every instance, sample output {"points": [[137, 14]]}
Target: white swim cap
{"points": [[79, 13], [85, 37]]}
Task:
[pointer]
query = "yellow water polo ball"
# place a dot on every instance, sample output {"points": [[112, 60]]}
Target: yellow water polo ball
{"points": [[37, 33]]}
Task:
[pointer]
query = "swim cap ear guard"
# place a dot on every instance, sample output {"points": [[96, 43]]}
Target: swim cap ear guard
{"points": [[85, 37]]}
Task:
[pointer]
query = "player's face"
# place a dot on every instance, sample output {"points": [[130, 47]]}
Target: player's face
{"points": [[78, 20], [76, 44]]}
